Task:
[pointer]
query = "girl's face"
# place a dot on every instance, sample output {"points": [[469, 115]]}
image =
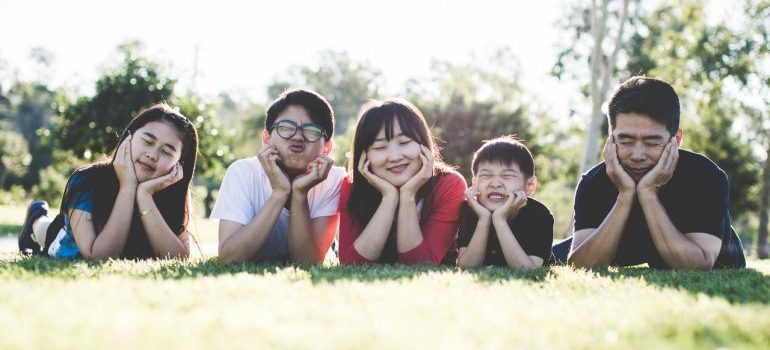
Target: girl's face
{"points": [[395, 160], [155, 148]]}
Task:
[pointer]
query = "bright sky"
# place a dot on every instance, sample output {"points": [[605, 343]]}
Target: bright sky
{"points": [[243, 45]]}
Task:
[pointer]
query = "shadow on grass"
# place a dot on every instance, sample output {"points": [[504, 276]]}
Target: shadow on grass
{"points": [[21, 267], [9, 229], [734, 285]]}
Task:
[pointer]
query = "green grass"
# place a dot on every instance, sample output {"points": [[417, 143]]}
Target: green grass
{"points": [[203, 304]]}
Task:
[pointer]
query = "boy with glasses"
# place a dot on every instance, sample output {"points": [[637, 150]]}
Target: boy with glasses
{"points": [[281, 205]]}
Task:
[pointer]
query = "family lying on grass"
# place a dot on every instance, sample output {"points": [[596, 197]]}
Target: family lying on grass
{"points": [[648, 202]]}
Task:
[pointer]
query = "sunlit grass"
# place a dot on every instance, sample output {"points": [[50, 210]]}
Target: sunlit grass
{"points": [[203, 304]]}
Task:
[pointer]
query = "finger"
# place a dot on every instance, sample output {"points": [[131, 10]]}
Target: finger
{"points": [[362, 162]]}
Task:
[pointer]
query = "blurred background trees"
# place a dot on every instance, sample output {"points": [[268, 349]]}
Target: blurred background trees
{"points": [[720, 69]]}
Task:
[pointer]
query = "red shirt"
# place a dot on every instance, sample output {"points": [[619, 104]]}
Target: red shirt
{"points": [[439, 231]]}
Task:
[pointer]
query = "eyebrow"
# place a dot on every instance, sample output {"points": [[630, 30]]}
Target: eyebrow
{"points": [[394, 136], [649, 137], [154, 138]]}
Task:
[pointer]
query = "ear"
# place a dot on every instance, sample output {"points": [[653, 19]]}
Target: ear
{"points": [[531, 185], [679, 137], [328, 145], [265, 137]]}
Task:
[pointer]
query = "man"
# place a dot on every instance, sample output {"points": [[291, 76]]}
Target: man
{"points": [[282, 204], [649, 201]]}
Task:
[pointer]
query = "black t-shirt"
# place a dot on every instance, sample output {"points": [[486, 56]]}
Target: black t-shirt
{"points": [[696, 200], [533, 229]]}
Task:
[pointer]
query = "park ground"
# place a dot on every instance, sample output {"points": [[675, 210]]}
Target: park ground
{"points": [[203, 304]]}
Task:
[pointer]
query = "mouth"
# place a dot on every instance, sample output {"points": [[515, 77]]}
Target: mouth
{"points": [[496, 197], [297, 148], [398, 168], [145, 166], [639, 171]]}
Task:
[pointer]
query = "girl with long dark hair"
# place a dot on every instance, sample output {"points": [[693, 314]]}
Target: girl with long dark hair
{"points": [[401, 203], [135, 204]]}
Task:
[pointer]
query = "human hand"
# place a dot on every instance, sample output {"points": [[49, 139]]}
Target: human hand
{"points": [[123, 163], [317, 171], [425, 173], [512, 206], [662, 172], [269, 158], [153, 186], [619, 177], [382, 185], [481, 211]]}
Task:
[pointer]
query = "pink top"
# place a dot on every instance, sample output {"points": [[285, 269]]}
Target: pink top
{"points": [[439, 230]]}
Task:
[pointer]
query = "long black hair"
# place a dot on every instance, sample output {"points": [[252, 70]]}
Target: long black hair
{"points": [[364, 198], [173, 202]]}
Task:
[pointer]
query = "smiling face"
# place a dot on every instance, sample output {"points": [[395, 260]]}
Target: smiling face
{"points": [[640, 141], [155, 147], [396, 160], [295, 152], [495, 180]]}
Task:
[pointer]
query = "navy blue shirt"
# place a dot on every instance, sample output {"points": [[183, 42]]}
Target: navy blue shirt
{"points": [[695, 199], [532, 227]]}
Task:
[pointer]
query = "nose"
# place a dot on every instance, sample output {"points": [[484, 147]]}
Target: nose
{"points": [[639, 153], [152, 154], [297, 136], [394, 153], [495, 182]]}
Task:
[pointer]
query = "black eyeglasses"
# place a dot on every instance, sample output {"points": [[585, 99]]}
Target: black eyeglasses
{"points": [[288, 128]]}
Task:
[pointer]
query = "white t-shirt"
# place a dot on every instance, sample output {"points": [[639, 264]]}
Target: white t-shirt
{"points": [[245, 190]]}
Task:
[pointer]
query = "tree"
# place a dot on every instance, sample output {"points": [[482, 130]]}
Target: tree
{"points": [[705, 63], [468, 104], [91, 125], [345, 83], [602, 23], [758, 31], [215, 151]]}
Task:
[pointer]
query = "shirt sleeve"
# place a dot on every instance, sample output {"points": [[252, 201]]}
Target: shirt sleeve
{"points": [[537, 232], [709, 207], [440, 228], [467, 226], [234, 202], [349, 230], [79, 195], [587, 211], [329, 194]]}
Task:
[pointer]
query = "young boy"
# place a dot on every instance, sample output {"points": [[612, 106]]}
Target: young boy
{"points": [[281, 205], [500, 224]]}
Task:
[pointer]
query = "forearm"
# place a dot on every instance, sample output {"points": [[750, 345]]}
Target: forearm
{"points": [[599, 248], [164, 242], [243, 244], [371, 241], [408, 231], [303, 246], [111, 240], [676, 249], [514, 255], [473, 255]]}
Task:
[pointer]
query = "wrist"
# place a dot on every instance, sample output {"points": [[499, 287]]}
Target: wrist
{"points": [[406, 197], [281, 195], [646, 195]]}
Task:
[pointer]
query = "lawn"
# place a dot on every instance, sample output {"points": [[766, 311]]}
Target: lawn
{"points": [[205, 304]]}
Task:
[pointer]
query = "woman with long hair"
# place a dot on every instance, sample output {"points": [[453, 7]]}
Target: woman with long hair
{"points": [[134, 205], [401, 203]]}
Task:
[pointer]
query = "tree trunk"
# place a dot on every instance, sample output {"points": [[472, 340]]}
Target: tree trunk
{"points": [[602, 69], [764, 205]]}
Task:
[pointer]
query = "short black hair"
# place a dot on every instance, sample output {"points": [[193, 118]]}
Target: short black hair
{"points": [[316, 106], [649, 96], [505, 150]]}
